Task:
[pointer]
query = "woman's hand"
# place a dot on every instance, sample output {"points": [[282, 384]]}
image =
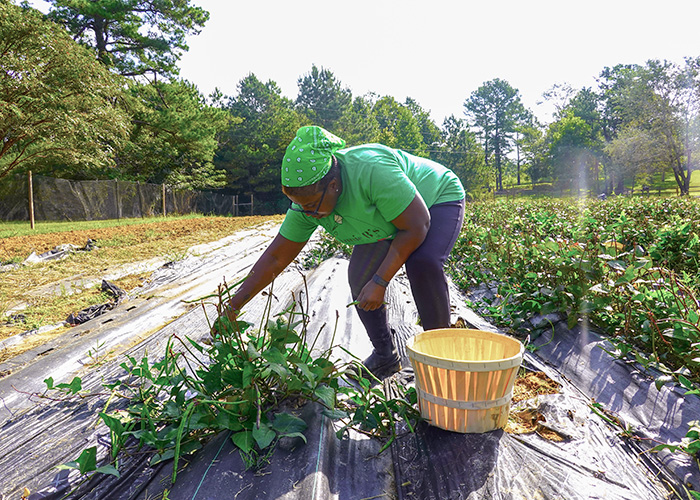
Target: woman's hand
{"points": [[231, 312], [371, 297]]}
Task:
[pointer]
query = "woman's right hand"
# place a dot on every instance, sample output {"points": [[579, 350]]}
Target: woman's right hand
{"points": [[231, 312]]}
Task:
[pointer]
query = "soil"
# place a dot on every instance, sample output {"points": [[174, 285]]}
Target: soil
{"points": [[196, 229], [529, 386], [116, 246]]}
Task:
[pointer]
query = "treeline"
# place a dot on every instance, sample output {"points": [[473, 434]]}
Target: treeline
{"points": [[90, 91]]}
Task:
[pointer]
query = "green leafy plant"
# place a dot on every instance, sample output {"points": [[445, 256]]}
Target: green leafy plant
{"points": [[629, 267], [247, 381], [98, 356], [327, 247], [87, 463]]}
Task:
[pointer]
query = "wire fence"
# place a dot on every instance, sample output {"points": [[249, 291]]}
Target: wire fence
{"points": [[49, 199], [547, 189]]}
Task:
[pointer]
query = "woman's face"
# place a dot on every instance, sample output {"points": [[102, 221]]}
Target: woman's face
{"points": [[319, 204]]}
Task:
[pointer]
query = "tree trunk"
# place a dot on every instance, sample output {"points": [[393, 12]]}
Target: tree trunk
{"points": [[689, 171], [620, 188]]}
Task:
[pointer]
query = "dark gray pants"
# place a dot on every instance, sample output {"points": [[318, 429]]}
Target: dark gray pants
{"points": [[425, 273]]}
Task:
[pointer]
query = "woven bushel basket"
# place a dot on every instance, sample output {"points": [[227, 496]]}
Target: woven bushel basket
{"points": [[464, 377]]}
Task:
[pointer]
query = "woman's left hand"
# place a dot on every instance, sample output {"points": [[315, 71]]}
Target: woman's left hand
{"points": [[371, 297]]}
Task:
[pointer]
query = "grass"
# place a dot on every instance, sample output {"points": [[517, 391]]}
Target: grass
{"points": [[664, 188], [23, 228]]}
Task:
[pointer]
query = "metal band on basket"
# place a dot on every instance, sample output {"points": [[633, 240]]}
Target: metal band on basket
{"points": [[467, 366], [463, 405]]}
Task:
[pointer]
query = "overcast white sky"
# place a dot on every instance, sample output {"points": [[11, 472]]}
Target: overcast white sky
{"points": [[436, 51]]}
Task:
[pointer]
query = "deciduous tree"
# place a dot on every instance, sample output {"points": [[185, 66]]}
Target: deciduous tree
{"points": [[398, 128], [253, 148], [57, 103], [571, 154], [658, 102], [359, 125], [461, 153]]}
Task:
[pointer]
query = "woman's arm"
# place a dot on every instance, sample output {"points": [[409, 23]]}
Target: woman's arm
{"points": [[271, 263], [412, 224]]}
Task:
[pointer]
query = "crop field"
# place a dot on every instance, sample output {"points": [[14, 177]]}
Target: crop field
{"points": [[625, 267], [629, 267]]}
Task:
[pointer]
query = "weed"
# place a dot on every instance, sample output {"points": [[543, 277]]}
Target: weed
{"points": [[327, 247], [98, 356]]}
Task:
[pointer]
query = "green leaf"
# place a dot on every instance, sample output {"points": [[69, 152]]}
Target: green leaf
{"points": [[87, 461], [253, 353], [586, 306], [599, 288], [326, 395], [233, 377], [49, 383], [162, 457], [247, 374], [273, 355], [171, 409], [617, 265], [280, 370], [196, 345], [211, 379], [295, 434], [243, 440], [285, 423], [305, 371], [263, 436], [335, 414], [687, 384], [113, 423], [226, 420], [662, 380], [108, 469], [73, 387]]}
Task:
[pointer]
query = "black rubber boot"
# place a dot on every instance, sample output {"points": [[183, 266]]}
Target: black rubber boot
{"points": [[380, 366]]}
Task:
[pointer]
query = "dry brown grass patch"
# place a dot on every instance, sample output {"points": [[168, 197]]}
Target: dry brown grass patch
{"points": [[38, 286]]}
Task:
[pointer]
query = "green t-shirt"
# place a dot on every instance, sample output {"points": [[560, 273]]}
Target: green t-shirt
{"points": [[378, 185]]}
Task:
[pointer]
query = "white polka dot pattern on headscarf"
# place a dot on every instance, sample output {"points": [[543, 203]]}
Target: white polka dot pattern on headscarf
{"points": [[312, 149]]}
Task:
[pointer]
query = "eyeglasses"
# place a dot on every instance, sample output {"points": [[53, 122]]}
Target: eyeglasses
{"points": [[318, 207]]}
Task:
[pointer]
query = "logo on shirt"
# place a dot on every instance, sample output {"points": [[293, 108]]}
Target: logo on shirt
{"points": [[338, 219]]}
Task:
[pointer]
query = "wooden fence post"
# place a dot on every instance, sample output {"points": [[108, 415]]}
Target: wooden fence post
{"points": [[31, 201], [251, 203], [118, 201], [163, 196]]}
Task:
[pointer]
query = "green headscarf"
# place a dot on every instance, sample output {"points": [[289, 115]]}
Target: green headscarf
{"points": [[309, 156]]}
